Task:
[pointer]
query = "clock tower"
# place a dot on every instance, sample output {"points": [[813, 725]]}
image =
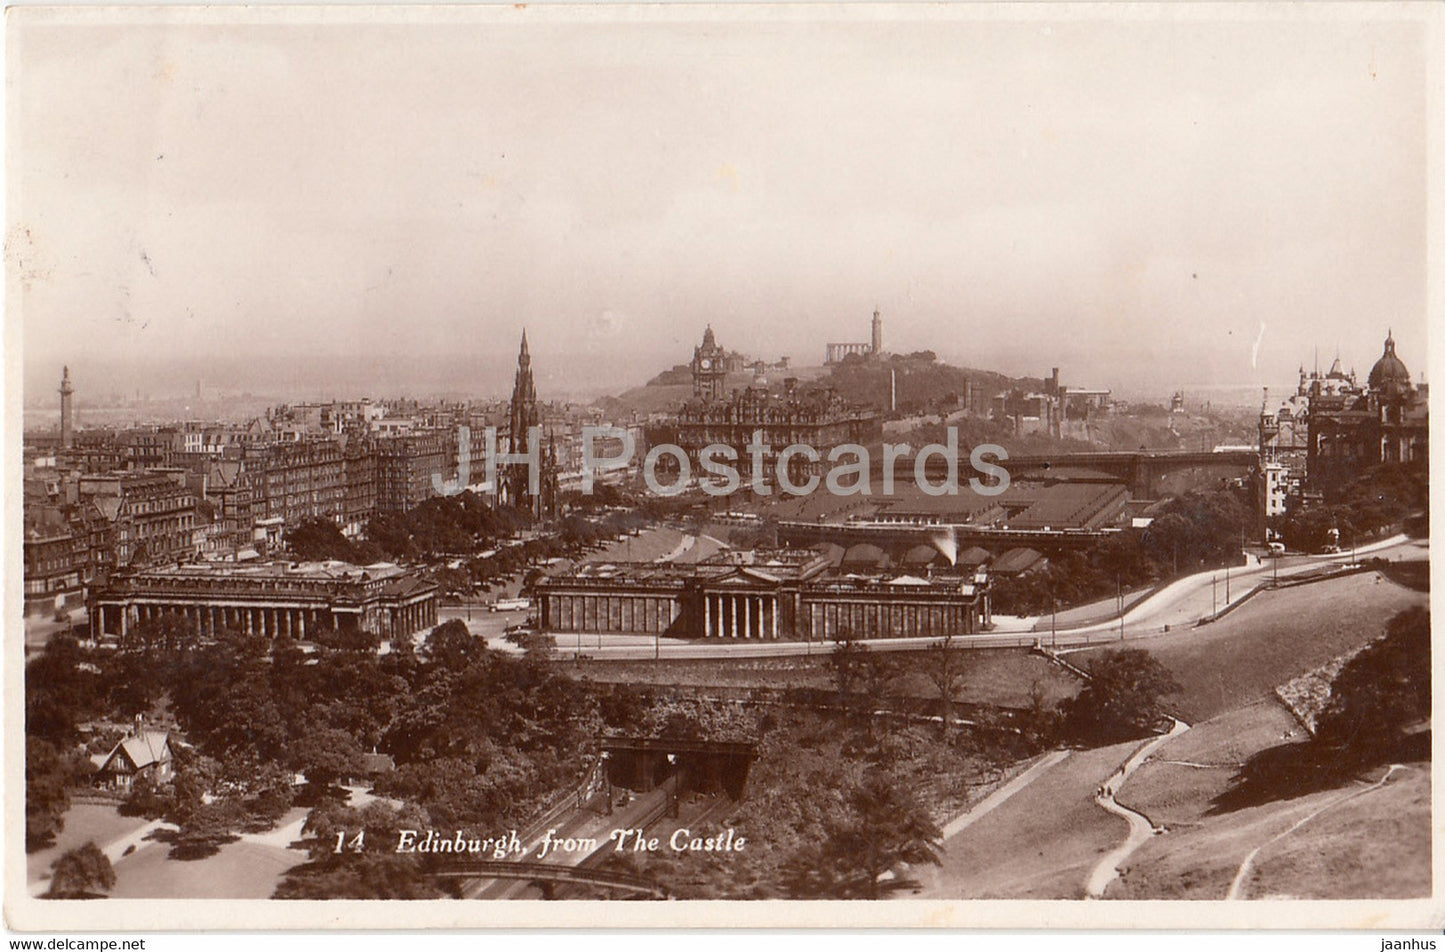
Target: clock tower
{"points": [[709, 368]]}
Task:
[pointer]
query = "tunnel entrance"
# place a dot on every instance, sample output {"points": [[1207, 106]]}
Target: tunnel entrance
{"points": [[699, 766]]}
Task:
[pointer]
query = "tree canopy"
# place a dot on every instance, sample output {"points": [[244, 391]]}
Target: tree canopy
{"points": [[1381, 692], [1122, 699], [878, 826], [81, 873]]}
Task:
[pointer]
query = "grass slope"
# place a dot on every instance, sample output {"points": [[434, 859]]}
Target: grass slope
{"points": [[1272, 638], [1041, 843], [84, 823], [1375, 844]]}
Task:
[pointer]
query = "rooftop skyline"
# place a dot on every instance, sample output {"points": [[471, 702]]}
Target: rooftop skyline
{"points": [[1147, 204]]}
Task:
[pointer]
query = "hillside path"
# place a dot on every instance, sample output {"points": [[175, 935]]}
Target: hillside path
{"points": [[1140, 827], [1236, 888]]}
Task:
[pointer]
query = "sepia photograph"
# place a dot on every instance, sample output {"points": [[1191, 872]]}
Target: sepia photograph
{"points": [[550, 464]]}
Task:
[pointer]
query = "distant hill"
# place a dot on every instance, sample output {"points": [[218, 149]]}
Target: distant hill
{"points": [[678, 374], [923, 382], [928, 391]]}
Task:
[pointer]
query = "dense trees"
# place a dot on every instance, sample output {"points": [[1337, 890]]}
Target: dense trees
{"points": [[354, 856], [81, 873], [452, 645], [481, 736], [60, 688], [325, 755], [1122, 699], [878, 826], [49, 774], [1198, 530], [456, 524], [319, 539], [1380, 693], [1382, 496]]}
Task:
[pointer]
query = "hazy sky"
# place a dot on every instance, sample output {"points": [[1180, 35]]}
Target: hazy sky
{"points": [[1134, 201]]}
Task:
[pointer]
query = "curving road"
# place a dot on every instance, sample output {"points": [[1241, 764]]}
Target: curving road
{"points": [[1179, 605]]}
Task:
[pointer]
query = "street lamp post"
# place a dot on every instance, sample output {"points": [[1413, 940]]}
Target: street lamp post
{"points": [[1119, 595], [1053, 621], [1214, 596]]}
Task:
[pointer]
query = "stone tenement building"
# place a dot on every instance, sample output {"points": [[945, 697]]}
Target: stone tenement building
{"points": [[297, 481], [154, 513], [274, 599], [55, 559], [783, 594], [404, 467]]}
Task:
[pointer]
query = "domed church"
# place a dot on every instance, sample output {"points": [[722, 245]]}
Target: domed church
{"points": [[1353, 429], [1389, 374]]}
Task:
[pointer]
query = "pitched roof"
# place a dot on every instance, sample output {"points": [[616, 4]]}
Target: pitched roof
{"points": [[921, 555], [149, 748], [974, 555], [1016, 560]]}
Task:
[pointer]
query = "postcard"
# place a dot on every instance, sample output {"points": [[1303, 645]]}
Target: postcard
{"points": [[917, 465]]}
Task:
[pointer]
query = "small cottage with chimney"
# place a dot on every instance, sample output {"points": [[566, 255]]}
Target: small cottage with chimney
{"points": [[141, 754]]}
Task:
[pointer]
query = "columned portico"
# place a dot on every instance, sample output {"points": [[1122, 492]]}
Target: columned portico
{"points": [[277, 600], [741, 615]]}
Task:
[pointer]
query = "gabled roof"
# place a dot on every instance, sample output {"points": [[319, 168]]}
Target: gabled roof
{"points": [[406, 586], [743, 573], [139, 752], [225, 473]]}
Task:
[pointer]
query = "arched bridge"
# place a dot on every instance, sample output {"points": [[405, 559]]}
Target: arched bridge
{"points": [[1141, 470]]}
